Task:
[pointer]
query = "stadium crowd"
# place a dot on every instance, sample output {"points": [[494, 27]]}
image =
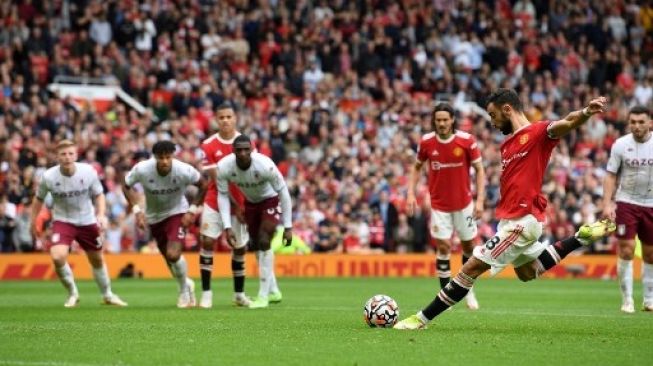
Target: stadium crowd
{"points": [[337, 93]]}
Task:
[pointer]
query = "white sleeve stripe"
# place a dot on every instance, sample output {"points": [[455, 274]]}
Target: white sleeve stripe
{"points": [[210, 166], [477, 160]]}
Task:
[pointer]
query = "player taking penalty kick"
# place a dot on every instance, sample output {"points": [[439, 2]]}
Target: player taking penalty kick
{"points": [[73, 186], [525, 154], [164, 180], [267, 201]]}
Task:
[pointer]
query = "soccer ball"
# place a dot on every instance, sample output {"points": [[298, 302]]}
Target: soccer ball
{"points": [[381, 311]]}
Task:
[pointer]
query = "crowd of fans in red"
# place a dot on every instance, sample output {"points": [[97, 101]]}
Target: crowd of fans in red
{"points": [[337, 92]]}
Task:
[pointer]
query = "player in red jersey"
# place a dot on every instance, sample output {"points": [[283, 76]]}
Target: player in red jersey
{"points": [[215, 148], [524, 156], [449, 155]]}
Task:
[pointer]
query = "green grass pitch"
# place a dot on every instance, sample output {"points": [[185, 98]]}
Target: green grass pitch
{"points": [[319, 322]]}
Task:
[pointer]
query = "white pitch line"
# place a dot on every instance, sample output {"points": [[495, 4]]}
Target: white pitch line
{"points": [[51, 363], [616, 314]]}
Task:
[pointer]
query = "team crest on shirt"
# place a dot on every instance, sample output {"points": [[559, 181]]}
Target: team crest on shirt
{"points": [[621, 229], [256, 176], [523, 139], [457, 151], [151, 181], [56, 237], [434, 228]]}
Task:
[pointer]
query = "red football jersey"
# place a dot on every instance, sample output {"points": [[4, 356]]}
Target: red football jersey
{"points": [[449, 162], [214, 149], [524, 157]]}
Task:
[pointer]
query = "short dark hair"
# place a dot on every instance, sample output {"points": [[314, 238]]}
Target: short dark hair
{"points": [[505, 96], [163, 147], [443, 107], [242, 138], [639, 109], [224, 105]]}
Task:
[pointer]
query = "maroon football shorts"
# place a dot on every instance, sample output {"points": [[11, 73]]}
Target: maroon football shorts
{"points": [[88, 236], [255, 213], [635, 220]]}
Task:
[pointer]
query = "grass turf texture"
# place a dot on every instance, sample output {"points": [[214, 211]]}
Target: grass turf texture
{"points": [[320, 322]]}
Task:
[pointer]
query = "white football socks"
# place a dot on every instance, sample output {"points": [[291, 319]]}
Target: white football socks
{"points": [[265, 260], [625, 274], [274, 287], [67, 279], [647, 283], [102, 279], [179, 270]]}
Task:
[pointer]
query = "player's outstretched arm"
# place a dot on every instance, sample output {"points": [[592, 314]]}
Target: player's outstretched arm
{"points": [[576, 119]]}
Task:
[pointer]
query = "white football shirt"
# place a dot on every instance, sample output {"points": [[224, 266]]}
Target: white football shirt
{"points": [[164, 195], [71, 196], [262, 180], [634, 163]]}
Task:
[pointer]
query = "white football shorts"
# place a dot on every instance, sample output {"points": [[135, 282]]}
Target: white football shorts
{"points": [[516, 242], [212, 226], [443, 223]]}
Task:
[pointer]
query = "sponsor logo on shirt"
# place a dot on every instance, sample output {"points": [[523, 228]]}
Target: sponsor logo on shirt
{"points": [[639, 162], [249, 185], [505, 162], [435, 153], [164, 191], [436, 165], [69, 194]]}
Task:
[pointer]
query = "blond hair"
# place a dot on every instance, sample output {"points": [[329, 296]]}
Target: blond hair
{"points": [[64, 144]]}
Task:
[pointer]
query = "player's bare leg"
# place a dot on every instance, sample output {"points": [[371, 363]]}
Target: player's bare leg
{"points": [[206, 269], [102, 279], [626, 251], [468, 247], [647, 276], [179, 269], [59, 255]]}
